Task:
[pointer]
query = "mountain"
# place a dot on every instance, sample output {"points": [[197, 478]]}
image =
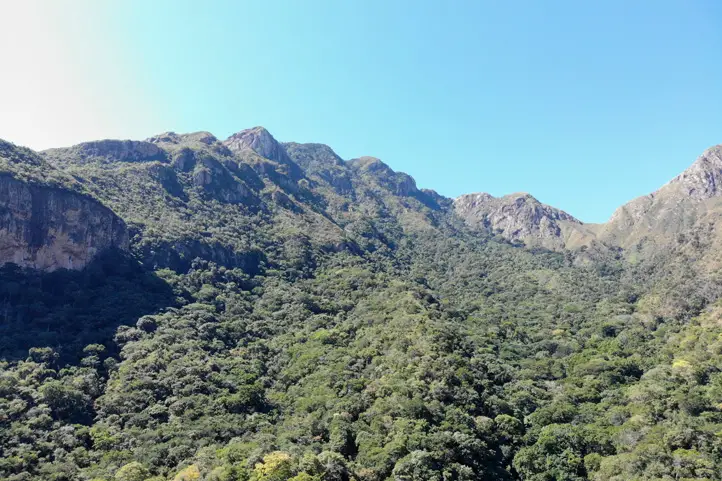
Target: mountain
{"points": [[521, 217], [685, 202], [259, 141], [685, 208], [254, 310]]}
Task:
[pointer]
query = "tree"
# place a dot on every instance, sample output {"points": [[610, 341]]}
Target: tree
{"points": [[276, 466], [133, 471]]}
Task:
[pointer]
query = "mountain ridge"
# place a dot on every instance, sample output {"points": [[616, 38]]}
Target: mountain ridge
{"points": [[517, 217]]}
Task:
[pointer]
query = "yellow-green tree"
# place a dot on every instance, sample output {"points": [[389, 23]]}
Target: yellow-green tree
{"points": [[191, 473], [276, 466], [134, 471]]}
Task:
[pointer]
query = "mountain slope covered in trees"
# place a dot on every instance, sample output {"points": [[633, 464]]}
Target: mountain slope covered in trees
{"points": [[283, 314]]}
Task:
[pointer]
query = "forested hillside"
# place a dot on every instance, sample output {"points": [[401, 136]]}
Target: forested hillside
{"points": [[283, 314]]}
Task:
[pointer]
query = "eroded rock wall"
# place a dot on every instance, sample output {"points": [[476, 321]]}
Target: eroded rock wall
{"points": [[50, 228]]}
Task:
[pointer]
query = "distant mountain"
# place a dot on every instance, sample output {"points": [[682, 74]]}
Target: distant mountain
{"points": [[521, 217], [686, 208], [192, 184], [676, 208]]}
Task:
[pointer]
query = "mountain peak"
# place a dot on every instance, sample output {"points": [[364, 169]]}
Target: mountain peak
{"points": [[174, 138], [114, 150], [672, 209], [703, 179], [517, 217], [370, 164], [516, 198], [260, 141], [258, 129], [312, 155]]}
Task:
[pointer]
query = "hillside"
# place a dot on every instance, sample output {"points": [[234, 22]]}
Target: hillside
{"points": [[676, 208], [279, 313]]}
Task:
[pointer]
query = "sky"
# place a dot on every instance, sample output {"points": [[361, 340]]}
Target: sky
{"points": [[585, 105]]}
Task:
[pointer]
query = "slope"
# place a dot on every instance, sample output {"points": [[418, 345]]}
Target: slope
{"points": [[328, 319]]}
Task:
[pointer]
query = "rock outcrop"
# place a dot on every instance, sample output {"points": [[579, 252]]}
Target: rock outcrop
{"points": [[398, 183], [260, 141], [703, 179], [686, 207], [520, 217], [47, 219], [49, 228], [116, 150], [673, 209], [253, 169], [321, 162]]}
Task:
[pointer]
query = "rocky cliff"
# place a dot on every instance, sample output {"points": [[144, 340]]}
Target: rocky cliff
{"points": [[521, 217], [673, 209], [47, 224], [110, 150]]}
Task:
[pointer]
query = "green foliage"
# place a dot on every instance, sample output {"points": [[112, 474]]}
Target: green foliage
{"points": [[133, 471], [344, 326]]}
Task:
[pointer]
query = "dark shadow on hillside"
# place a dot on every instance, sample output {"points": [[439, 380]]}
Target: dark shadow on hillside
{"points": [[68, 310]]}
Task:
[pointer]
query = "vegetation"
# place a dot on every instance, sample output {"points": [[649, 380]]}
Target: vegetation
{"points": [[337, 328]]}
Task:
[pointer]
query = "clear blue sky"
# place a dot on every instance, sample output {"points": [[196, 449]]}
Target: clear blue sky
{"points": [[584, 104]]}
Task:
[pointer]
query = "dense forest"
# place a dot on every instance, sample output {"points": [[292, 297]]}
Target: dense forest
{"points": [[282, 314]]}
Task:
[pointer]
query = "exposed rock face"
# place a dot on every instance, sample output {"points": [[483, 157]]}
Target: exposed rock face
{"points": [[518, 217], [319, 160], [252, 168], [50, 228], [118, 150], [312, 156], [689, 203], [260, 141], [703, 179], [184, 160], [397, 182], [171, 142], [673, 209], [173, 138], [179, 255]]}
